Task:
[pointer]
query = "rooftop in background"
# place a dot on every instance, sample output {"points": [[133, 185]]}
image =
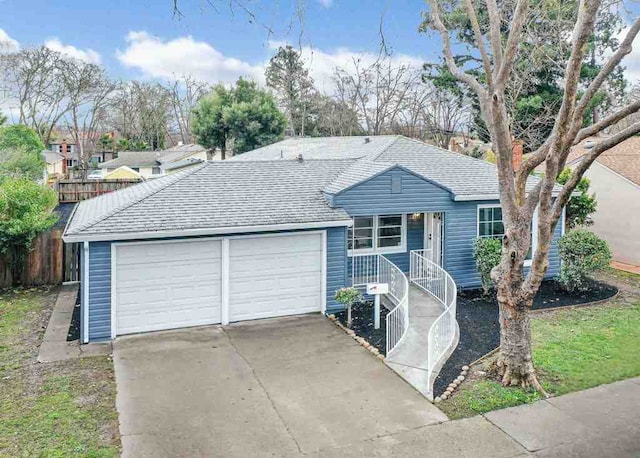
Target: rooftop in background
{"points": [[153, 158], [623, 159], [320, 148]]}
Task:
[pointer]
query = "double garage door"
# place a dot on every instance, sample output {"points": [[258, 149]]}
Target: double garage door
{"points": [[168, 285]]}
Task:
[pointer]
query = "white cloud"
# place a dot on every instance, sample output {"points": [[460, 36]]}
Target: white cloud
{"points": [[326, 3], [7, 44], [86, 55], [321, 64], [157, 58]]}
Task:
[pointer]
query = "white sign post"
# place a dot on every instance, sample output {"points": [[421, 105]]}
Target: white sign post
{"points": [[376, 289]]}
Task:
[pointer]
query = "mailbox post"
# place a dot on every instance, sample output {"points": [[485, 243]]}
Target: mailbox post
{"points": [[377, 289]]}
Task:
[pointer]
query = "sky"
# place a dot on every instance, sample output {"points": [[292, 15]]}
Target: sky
{"points": [[144, 39]]}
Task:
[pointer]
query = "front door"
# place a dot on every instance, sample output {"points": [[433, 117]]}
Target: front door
{"points": [[433, 236]]}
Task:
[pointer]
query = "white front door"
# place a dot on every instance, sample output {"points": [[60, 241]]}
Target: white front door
{"points": [[433, 236], [275, 276]]}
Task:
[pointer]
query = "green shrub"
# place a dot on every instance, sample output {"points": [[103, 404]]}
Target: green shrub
{"points": [[583, 253], [348, 296], [487, 253]]}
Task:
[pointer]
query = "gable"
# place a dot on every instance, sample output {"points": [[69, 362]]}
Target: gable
{"points": [[393, 190]]}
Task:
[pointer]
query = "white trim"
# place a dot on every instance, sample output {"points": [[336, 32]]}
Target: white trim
{"points": [[206, 231], [465, 198], [563, 222], [323, 281], [375, 250], [225, 260], [224, 293], [114, 279], [481, 206], [85, 294]]}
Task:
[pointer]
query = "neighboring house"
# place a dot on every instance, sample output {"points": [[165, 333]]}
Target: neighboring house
{"points": [[54, 163], [121, 173], [275, 231], [152, 164], [615, 180], [68, 149]]}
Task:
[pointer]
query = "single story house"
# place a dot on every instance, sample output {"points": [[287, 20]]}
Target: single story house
{"points": [[152, 164], [54, 163], [276, 231], [123, 172], [615, 180]]}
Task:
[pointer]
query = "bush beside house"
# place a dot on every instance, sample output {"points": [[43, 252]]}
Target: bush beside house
{"points": [[486, 252], [583, 253]]}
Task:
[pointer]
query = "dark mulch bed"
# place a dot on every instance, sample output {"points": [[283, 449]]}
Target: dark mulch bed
{"points": [[362, 324], [74, 327], [477, 317]]}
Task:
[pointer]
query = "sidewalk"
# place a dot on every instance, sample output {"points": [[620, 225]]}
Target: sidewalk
{"points": [[599, 422], [626, 267], [54, 345]]}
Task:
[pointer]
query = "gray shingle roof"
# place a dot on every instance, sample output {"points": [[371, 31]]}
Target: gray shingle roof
{"points": [[464, 176], [213, 195], [320, 148], [133, 159]]}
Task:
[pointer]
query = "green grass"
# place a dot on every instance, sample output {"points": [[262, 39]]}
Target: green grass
{"points": [[573, 350], [64, 409]]}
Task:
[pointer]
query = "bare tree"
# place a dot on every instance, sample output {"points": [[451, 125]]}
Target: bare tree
{"points": [[377, 91], [184, 92], [139, 112], [32, 79], [498, 43], [88, 89]]}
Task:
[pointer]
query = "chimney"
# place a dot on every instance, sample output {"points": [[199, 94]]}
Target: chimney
{"points": [[63, 147], [454, 146], [517, 153]]}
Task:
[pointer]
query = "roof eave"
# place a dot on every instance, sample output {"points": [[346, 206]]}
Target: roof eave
{"points": [[113, 236], [472, 197]]}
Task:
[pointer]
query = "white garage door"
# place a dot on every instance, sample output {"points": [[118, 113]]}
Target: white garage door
{"points": [[275, 276], [167, 285]]}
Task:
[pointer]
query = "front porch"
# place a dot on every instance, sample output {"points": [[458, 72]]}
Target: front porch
{"points": [[421, 328]]}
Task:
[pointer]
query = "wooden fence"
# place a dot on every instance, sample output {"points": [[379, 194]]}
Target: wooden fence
{"points": [[49, 262], [77, 190]]}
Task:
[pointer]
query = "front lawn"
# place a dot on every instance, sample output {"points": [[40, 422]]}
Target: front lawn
{"points": [[60, 409], [572, 349]]}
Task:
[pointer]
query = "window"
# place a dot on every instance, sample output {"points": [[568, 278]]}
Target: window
{"points": [[361, 234], [70, 163], [490, 225], [156, 171], [490, 222], [384, 233]]}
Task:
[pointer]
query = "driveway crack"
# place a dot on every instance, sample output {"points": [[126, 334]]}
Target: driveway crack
{"points": [[257, 379]]}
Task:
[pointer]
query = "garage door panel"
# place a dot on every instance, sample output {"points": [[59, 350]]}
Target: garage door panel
{"points": [[167, 285], [275, 276]]}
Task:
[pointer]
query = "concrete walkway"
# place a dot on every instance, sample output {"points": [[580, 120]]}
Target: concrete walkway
{"points": [[602, 422], [409, 358], [626, 267], [54, 345]]}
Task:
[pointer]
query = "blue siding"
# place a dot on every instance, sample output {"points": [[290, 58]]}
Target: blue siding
{"points": [[81, 292], [99, 291], [376, 197], [336, 265], [100, 279]]}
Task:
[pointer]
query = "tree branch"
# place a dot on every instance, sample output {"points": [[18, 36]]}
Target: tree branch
{"points": [[625, 48], [607, 122], [486, 62], [495, 37], [448, 55], [511, 50]]}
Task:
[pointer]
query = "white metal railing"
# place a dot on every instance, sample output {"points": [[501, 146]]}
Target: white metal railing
{"points": [[375, 268], [433, 279]]}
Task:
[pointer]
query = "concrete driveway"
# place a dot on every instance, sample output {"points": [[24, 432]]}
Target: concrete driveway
{"points": [[281, 387]]}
